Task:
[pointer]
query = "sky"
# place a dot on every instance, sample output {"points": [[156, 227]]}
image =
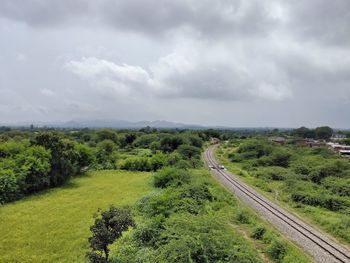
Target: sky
{"points": [[239, 63]]}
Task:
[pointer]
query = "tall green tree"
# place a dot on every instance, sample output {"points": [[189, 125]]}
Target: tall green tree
{"points": [[109, 225]]}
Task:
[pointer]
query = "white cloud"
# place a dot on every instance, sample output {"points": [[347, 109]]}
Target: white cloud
{"points": [[123, 79], [47, 92]]}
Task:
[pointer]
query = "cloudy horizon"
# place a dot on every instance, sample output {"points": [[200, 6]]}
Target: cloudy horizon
{"points": [[231, 63]]}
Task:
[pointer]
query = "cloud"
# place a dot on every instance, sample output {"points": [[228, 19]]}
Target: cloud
{"points": [[47, 92], [320, 20], [245, 62], [151, 17], [187, 73], [122, 79]]}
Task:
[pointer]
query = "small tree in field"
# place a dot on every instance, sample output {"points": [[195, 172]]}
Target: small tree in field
{"points": [[109, 226]]}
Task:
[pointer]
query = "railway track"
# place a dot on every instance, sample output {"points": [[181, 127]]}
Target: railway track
{"points": [[317, 244]]}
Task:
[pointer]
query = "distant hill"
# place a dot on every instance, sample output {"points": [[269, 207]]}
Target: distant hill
{"points": [[119, 124], [126, 124]]}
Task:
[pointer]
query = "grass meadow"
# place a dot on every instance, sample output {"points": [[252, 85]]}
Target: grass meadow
{"points": [[53, 226]]}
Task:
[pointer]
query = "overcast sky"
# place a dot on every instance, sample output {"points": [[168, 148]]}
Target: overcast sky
{"points": [[211, 62]]}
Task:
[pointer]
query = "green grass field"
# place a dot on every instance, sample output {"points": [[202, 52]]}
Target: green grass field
{"points": [[54, 226]]}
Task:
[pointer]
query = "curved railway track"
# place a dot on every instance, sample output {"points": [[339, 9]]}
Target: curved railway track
{"points": [[317, 244]]}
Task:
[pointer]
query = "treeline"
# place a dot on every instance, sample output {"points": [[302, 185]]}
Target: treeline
{"points": [[48, 160], [33, 161], [323, 133]]}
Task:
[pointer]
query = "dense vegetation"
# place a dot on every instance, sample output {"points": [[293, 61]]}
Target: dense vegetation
{"points": [[314, 180], [188, 218], [33, 161]]}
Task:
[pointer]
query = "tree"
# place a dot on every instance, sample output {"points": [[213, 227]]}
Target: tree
{"points": [[188, 151], [35, 167], [170, 143], [64, 161], [324, 132], [109, 226], [303, 132]]}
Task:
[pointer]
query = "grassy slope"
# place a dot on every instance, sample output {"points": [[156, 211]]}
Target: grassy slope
{"points": [[321, 217], [54, 226]]}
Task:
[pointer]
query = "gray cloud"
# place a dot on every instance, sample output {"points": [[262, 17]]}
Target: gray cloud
{"points": [[241, 63], [149, 16], [321, 20]]}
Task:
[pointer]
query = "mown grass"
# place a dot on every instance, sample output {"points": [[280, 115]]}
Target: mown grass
{"points": [[54, 226]]}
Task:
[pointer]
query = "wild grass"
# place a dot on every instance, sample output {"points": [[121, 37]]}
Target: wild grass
{"points": [[335, 223], [53, 226]]}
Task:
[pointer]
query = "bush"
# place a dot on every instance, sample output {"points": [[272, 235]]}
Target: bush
{"points": [[255, 149], [243, 217], [9, 188], [324, 200], [280, 158], [160, 203], [189, 152], [277, 250], [136, 164], [338, 186], [258, 232], [202, 239], [273, 173], [148, 233], [171, 177]]}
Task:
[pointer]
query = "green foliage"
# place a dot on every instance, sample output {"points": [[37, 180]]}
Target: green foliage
{"points": [[339, 186], [9, 188], [243, 217], [304, 132], [202, 239], [277, 250], [109, 225], [324, 132], [258, 232], [274, 173], [136, 164], [35, 168], [170, 143], [171, 177], [320, 199], [255, 149]]}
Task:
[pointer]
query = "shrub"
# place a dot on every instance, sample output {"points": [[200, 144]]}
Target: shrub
{"points": [[255, 149], [9, 188], [136, 164], [273, 173], [258, 232], [277, 250], [280, 158], [189, 152], [148, 233], [171, 177], [324, 200], [338, 186], [243, 217]]}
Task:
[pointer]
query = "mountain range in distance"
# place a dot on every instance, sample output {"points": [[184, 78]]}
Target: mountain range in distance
{"points": [[123, 124], [119, 124]]}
